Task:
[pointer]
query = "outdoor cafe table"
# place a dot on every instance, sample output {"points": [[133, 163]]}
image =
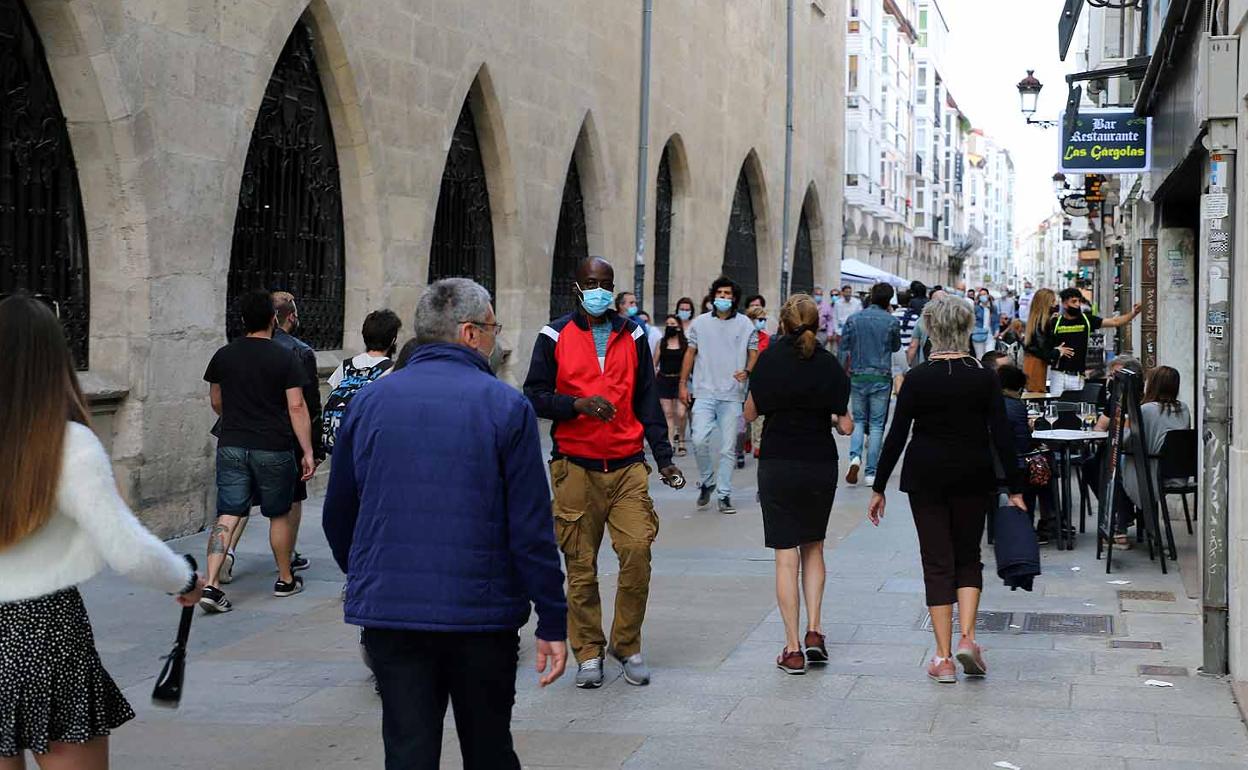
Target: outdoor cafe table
{"points": [[1061, 441]]}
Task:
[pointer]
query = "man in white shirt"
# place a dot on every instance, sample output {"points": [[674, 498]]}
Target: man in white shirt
{"points": [[846, 305]]}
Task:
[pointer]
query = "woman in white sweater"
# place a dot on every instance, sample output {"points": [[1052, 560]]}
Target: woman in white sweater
{"points": [[61, 521]]}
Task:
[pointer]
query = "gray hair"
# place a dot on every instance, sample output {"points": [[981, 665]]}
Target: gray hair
{"points": [[948, 322], [445, 305], [1130, 363]]}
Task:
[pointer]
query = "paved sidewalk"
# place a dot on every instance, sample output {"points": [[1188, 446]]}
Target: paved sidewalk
{"points": [[278, 683]]}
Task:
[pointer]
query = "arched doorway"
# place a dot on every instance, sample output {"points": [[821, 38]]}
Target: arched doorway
{"points": [[43, 247], [288, 233], [803, 279], [571, 244], [463, 234], [741, 245], [662, 237]]}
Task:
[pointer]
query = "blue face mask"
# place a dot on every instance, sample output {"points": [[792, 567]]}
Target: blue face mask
{"points": [[723, 305], [818, 299], [632, 311], [760, 324], [684, 315], [596, 301]]}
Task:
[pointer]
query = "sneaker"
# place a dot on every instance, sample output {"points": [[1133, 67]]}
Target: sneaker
{"points": [[791, 662], [942, 671], [725, 506], [227, 569], [214, 600], [299, 562], [704, 496], [589, 674], [869, 480], [740, 460], [283, 589], [854, 464], [971, 656], [816, 647], [636, 672]]}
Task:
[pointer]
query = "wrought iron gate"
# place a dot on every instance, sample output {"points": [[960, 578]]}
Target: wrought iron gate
{"points": [[741, 247], [571, 245], [803, 281], [288, 229], [662, 239], [463, 233], [43, 247]]}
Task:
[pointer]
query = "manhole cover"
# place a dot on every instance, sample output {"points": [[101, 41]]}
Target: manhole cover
{"points": [[1162, 670], [1146, 596], [1068, 623], [1123, 644], [985, 622]]}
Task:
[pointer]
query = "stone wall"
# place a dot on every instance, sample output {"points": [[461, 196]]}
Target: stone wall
{"points": [[161, 96]]}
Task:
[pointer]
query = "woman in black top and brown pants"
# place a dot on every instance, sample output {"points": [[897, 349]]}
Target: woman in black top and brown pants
{"points": [[958, 414], [803, 392]]}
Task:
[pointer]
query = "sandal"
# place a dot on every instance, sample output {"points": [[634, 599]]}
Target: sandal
{"points": [[680, 448], [1123, 542], [791, 662]]}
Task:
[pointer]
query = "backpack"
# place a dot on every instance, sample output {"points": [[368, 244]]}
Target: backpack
{"points": [[336, 404]]}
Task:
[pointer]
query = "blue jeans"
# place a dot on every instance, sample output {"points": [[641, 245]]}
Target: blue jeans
{"points": [[707, 415], [260, 476], [870, 405]]}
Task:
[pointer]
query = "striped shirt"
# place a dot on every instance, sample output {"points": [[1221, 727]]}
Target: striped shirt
{"points": [[907, 324]]}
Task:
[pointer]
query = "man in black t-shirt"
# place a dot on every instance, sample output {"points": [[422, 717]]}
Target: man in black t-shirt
{"points": [[1070, 334], [257, 389]]}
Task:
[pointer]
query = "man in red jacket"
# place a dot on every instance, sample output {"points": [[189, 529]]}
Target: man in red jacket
{"points": [[593, 376]]}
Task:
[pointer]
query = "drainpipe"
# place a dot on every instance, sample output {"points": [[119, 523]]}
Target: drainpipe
{"points": [[643, 152], [788, 158]]}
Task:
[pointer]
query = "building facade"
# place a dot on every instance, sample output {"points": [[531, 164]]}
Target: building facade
{"points": [[353, 151], [990, 212], [1044, 256]]}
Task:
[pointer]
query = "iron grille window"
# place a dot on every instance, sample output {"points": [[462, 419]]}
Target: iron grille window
{"points": [[741, 247], [463, 233], [288, 229], [662, 237], [571, 245], [803, 259], [43, 247]]}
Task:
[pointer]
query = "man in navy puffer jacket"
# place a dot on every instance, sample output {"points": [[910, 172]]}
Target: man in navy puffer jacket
{"points": [[439, 512]]}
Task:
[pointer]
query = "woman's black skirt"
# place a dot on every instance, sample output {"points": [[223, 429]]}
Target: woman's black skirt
{"points": [[668, 385], [797, 497], [53, 687]]}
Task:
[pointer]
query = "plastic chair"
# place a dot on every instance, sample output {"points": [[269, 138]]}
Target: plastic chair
{"points": [[1089, 394], [1177, 466]]}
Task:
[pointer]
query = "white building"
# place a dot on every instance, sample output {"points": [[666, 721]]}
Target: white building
{"points": [[990, 212], [879, 134], [1045, 255]]}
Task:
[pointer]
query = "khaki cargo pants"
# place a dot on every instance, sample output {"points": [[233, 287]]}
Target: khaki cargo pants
{"points": [[587, 503]]}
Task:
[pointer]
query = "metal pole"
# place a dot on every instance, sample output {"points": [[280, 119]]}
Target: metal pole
{"points": [[1217, 245], [788, 159], [643, 152]]}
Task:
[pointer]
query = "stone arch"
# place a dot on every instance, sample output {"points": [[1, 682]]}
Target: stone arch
{"points": [[101, 127], [671, 218], [810, 219], [747, 226], [578, 233]]}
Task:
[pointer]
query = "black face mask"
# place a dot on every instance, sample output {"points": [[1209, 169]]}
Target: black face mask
{"points": [[1074, 312], [671, 331]]}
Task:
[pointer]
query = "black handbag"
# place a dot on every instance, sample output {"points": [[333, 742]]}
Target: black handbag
{"points": [[167, 693]]}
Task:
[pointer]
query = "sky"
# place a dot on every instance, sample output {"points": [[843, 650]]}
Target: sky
{"points": [[992, 44]]}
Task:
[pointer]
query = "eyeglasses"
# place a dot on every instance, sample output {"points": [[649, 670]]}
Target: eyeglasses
{"points": [[590, 283], [51, 303], [495, 328]]}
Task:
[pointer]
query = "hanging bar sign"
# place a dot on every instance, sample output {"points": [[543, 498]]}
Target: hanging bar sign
{"points": [[1107, 142]]}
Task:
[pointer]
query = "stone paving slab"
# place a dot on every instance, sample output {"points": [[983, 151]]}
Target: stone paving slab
{"points": [[280, 684]]}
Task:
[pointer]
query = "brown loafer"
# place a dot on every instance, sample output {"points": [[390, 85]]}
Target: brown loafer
{"points": [[791, 662], [816, 647]]}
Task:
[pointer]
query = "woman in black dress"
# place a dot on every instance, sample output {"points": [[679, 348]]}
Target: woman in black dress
{"points": [[958, 413], [671, 355], [800, 388]]}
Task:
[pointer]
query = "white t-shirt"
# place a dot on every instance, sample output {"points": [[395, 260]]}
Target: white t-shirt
{"points": [[362, 361]]}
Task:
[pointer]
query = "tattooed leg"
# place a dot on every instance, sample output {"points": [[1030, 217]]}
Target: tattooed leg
{"points": [[218, 542]]}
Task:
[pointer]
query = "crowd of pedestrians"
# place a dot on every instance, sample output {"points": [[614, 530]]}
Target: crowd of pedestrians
{"points": [[445, 558]]}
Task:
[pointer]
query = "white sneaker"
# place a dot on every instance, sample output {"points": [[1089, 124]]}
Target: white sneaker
{"points": [[227, 569], [869, 480], [855, 463]]}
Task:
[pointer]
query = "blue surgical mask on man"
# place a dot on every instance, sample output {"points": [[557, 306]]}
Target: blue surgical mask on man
{"points": [[632, 311], [596, 301], [723, 305]]}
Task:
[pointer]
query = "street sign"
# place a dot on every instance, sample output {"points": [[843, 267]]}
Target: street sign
{"points": [[1106, 142], [1076, 205], [1094, 184]]}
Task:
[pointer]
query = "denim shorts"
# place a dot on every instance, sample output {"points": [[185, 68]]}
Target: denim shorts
{"points": [[264, 477]]}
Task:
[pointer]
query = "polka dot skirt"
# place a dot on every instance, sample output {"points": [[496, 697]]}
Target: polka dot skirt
{"points": [[52, 684]]}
